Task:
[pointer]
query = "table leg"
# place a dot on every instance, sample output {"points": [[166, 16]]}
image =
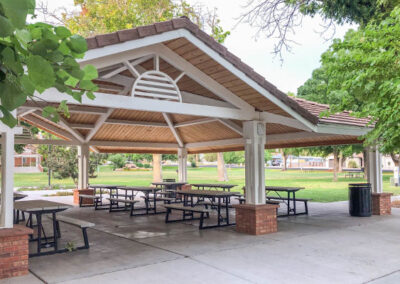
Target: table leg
{"points": [[288, 203], [219, 211], [155, 202], [39, 227], [294, 202], [227, 210], [55, 233]]}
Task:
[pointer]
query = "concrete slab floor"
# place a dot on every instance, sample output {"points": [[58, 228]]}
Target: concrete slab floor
{"points": [[328, 246]]}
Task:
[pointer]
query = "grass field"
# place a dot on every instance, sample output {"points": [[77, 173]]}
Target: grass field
{"points": [[318, 184]]}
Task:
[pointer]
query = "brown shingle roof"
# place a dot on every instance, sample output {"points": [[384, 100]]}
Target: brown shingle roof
{"points": [[308, 110], [339, 118]]}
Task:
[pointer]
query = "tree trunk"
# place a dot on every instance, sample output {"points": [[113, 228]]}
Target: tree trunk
{"points": [[335, 164], [340, 169], [366, 164], [222, 174], [157, 168], [284, 160]]}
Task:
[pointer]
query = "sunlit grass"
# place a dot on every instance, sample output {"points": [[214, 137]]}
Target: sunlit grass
{"points": [[319, 185]]}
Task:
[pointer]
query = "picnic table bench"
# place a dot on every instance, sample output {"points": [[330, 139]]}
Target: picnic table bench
{"points": [[83, 225], [114, 201], [187, 211]]}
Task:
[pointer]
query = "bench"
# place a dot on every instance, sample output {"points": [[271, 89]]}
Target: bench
{"points": [[305, 200], [96, 200], [185, 209], [77, 223], [242, 200], [115, 201]]}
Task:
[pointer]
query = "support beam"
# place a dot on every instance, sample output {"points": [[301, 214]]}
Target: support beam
{"points": [[255, 139], [83, 166], [74, 132], [200, 77], [132, 69], [133, 144], [231, 125], [375, 169], [142, 104], [157, 167], [135, 123], [182, 164], [7, 179], [195, 122], [49, 127], [81, 126], [173, 130], [46, 142], [98, 124]]}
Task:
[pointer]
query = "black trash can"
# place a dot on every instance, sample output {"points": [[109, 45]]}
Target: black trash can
{"points": [[360, 203]]}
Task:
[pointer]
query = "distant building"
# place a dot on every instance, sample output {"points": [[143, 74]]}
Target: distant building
{"points": [[29, 161]]}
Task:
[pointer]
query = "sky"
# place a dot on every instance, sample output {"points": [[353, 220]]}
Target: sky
{"points": [[297, 65]]}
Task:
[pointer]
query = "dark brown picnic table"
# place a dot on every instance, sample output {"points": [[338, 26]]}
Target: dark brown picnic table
{"points": [[291, 197], [217, 198], [39, 208], [223, 186]]}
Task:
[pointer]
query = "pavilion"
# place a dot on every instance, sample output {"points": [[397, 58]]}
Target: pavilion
{"points": [[171, 88]]}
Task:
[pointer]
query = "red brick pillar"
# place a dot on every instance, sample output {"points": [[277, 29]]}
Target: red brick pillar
{"points": [[85, 201], [256, 219], [14, 251], [381, 203]]}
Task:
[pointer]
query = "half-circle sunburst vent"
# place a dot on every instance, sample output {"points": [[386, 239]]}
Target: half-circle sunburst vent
{"points": [[157, 85]]}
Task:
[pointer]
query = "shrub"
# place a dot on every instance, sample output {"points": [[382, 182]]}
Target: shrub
{"points": [[352, 164], [193, 164]]}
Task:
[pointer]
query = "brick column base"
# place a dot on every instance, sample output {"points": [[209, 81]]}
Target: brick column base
{"points": [[14, 251], [381, 203], [85, 201], [256, 219]]}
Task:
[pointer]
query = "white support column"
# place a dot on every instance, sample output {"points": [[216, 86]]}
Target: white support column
{"points": [[83, 166], [375, 169], [255, 139], [157, 167], [7, 179], [182, 164]]}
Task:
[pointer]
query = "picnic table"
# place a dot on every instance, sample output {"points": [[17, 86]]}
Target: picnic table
{"points": [[169, 186], [39, 208], [289, 199], [209, 186], [218, 199], [102, 188], [146, 190]]}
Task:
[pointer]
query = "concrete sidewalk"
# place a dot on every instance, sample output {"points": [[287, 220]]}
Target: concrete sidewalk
{"points": [[327, 246]]}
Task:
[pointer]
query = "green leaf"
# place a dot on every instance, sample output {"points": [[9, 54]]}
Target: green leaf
{"points": [[7, 28], [24, 37], [71, 81], [27, 85], [40, 72], [77, 44], [90, 95], [62, 32], [88, 85], [11, 95], [50, 112], [10, 61], [16, 11], [90, 72], [7, 118]]}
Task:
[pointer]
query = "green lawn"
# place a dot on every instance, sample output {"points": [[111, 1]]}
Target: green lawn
{"points": [[318, 184]]}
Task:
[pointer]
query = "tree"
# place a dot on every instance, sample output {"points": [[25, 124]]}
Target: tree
{"points": [[278, 18], [363, 70], [236, 157], [210, 157], [118, 161], [99, 17], [35, 57]]}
